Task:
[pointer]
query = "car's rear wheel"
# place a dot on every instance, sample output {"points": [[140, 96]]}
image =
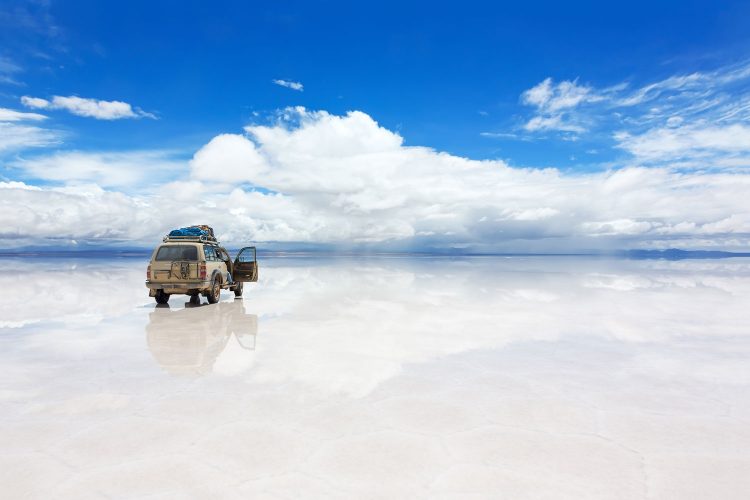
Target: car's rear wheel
{"points": [[238, 289], [161, 297], [214, 292]]}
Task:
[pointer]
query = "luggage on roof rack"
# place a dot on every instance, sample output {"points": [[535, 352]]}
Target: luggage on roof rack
{"points": [[192, 233]]}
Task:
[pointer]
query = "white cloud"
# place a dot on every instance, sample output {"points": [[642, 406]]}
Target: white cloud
{"points": [[228, 158], [92, 108], [720, 98], [108, 169], [702, 142], [617, 227], [534, 213], [539, 94], [555, 122], [699, 120], [552, 98], [35, 102], [345, 180], [499, 135], [290, 84], [15, 136], [552, 101], [11, 115], [88, 212], [654, 90]]}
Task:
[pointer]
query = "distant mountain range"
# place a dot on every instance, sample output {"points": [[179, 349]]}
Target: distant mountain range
{"points": [[676, 254]]}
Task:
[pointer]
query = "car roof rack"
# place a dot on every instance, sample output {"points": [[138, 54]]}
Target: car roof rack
{"points": [[200, 239]]}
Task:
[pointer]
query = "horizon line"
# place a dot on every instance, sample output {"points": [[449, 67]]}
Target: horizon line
{"points": [[668, 254]]}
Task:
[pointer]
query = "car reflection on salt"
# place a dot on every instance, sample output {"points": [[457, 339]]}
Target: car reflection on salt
{"points": [[202, 338]]}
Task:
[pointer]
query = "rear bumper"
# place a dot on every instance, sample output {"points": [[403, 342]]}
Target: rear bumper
{"points": [[177, 287]]}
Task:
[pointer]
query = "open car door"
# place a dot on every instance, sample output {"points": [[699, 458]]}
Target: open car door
{"points": [[246, 265]]}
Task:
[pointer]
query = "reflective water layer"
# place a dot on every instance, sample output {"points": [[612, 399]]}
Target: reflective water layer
{"points": [[516, 378]]}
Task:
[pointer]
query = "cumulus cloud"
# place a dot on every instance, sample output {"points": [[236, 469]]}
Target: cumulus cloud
{"points": [[34, 215], [290, 85], [318, 178], [91, 108], [228, 158]]}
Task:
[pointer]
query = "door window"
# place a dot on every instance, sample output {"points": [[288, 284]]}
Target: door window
{"points": [[246, 255], [210, 253]]}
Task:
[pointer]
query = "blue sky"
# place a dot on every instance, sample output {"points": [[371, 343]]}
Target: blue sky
{"points": [[579, 87]]}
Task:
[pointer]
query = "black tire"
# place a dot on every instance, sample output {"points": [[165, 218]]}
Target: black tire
{"points": [[161, 297], [238, 289], [214, 292]]}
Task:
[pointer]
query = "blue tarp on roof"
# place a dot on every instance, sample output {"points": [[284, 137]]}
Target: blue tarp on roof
{"points": [[189, 231]]}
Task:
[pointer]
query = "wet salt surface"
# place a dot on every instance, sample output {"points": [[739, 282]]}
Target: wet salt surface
{"points": [[380, 378]]}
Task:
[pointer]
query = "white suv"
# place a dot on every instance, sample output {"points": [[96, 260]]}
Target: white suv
{"points": [[198, 265]]}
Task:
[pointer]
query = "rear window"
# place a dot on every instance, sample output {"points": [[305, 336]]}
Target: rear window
{"points": [[177, 252]]}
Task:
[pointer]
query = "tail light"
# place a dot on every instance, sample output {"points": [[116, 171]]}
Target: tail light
{"points": [[202, 270], [148, 272]]}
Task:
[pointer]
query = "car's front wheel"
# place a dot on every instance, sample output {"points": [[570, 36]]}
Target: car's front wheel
{"points": [[161, 297], [214, 292]]}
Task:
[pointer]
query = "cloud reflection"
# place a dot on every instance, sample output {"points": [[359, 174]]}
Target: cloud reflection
{"points": [[347, 326]]}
